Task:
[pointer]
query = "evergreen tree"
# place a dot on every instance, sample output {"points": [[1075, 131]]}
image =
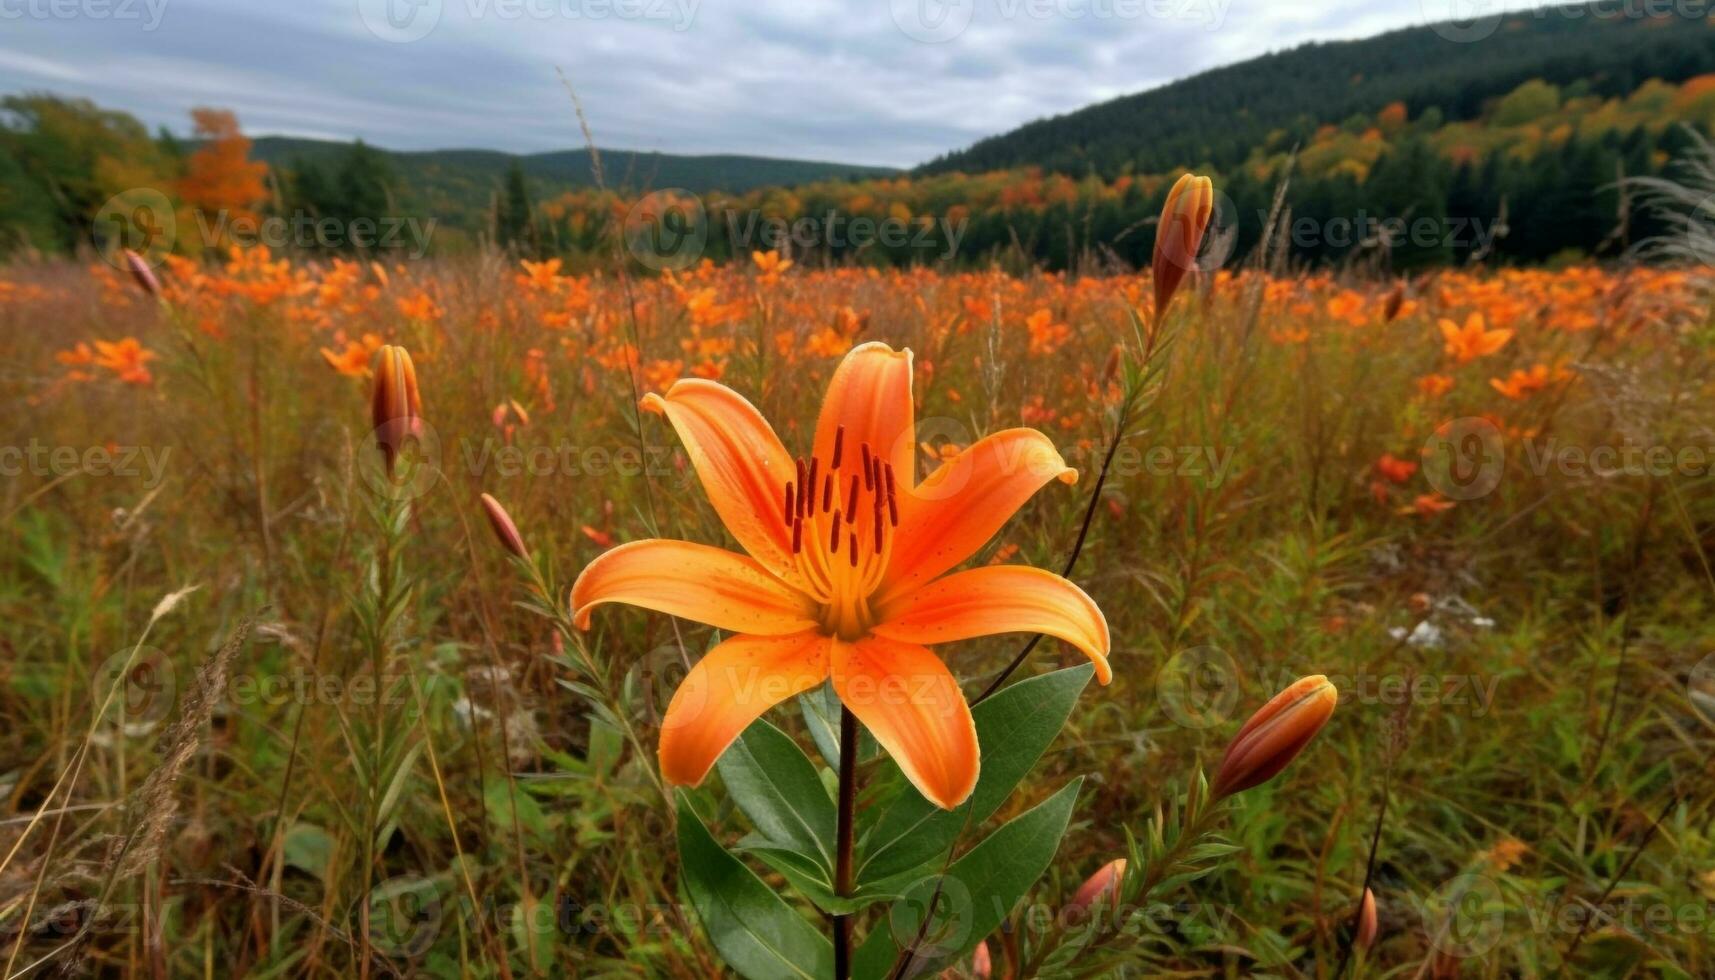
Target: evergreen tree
{"points": [[513, 227]]}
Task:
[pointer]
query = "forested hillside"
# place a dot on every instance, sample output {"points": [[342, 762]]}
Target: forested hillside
{"points": [[1216, 119]]}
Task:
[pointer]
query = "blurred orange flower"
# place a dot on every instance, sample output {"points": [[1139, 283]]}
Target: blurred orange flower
{"points": [[1473, 340]]}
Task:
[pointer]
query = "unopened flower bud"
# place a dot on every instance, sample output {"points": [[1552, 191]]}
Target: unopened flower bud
{"points": [[1395, 302], [141, 271], [1111, 369], [1275, 735], [1366, 935], [505, 531], [397, 408], [1179, 235], [1103, 886]]}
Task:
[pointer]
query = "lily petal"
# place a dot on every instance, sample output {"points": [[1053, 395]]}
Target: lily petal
{"points": [[910, 702], [727, 690], [694, 581], [870, 394], [1000, 599], [957, 508], [743, 466]]}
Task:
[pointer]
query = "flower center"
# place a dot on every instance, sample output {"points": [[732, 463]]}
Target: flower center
{"points": [[841, 514]]}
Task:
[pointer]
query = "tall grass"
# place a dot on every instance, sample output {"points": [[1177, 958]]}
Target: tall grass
{"points": [[406, 770]]}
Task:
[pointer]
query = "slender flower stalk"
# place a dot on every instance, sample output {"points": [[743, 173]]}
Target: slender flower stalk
{"points": [[599, 690]]}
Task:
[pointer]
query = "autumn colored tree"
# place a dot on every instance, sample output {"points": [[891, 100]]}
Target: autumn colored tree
{"points": [[220, 176]]}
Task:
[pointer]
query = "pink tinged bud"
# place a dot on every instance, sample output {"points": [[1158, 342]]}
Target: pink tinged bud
{"points": [[1179, 235], [1099, 888], [505, 531], [981, 968], [1367, 928], [142, 272], [1275, 735], [396, 409]]}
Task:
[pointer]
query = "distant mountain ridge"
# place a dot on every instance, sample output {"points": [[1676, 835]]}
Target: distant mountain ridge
{"points": [[623, 169], [1213, 120], [459, 187]]}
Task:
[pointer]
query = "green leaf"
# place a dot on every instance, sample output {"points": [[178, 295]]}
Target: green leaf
{"points": [[606, 744], [1014, 728], [308, 848], [775, 784], [976, 894], [756, 932], [821, 710], [813, 882]]}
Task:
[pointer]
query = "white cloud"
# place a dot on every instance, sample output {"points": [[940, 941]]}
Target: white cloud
{"points": [[819, 79]]}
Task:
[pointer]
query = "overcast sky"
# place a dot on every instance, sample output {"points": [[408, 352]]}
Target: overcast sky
{"points": [[890, 82]]}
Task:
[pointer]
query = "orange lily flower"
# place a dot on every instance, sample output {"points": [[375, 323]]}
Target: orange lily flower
{"points": [[1473, 340], [1435, 385], [844, 571], [1395, 470], [126, 358], [1522, 384]]}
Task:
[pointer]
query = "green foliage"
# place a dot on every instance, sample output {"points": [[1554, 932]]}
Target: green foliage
{"points": [[1213, 120], [975, 895], [756, 932], [1014, 728]]}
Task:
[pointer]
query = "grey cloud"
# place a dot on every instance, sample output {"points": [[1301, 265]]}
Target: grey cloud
{"points": [[794, 78]]}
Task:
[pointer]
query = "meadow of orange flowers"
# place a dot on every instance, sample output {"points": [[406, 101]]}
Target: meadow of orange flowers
{"points": [[1478, 501]]}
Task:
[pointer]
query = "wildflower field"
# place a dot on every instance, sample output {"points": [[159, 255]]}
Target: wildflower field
{"points": [[276, 707]]}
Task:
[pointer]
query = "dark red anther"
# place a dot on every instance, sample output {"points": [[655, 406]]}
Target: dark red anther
{"points": [[868, 474], [892, 499], [801, 473], [851, 495], [797, 536], [854, 549], [809, 499], [789, 508], [827, 491], [834, 535], [839, 444], [877, 523]]}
